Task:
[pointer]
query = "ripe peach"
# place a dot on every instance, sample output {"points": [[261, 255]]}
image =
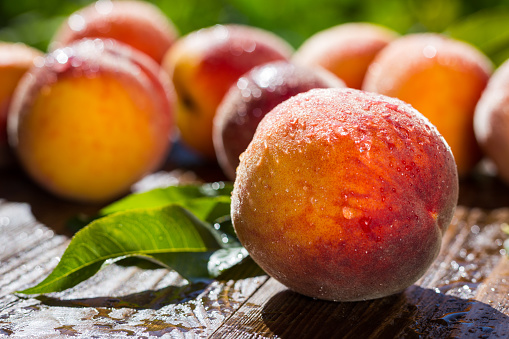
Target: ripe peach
{"points": [[346, 50], [443, 79], [491, 120], [344, 195], [254, 95], [91, 119], [204, 64], [15, 60], [137, 23]]}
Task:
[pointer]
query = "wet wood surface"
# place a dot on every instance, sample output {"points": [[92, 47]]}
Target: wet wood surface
{"points": [[465, 294]]}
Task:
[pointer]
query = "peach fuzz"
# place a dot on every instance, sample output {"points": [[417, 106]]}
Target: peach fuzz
{"points": [[346, 50], [491, 120], [254, 95], [443, 79], [91, 119], [203, 65], [344, 195], [15, 60], [139, 24]]}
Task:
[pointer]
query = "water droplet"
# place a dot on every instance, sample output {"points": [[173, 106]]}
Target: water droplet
{"points": [[429, 51], [365, 223], [104, 7], [76, 22], [220, 32], [39, 61], [348, 213], [451, 318], [242, 83], [266, 76], [5, 221]]}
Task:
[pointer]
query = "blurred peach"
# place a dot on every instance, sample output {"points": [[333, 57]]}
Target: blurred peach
{"points": [[255, 94], [137, 23], [443, 79], [15, 60], [91, 119], [204, 64], [345, 50], [491, 120]]}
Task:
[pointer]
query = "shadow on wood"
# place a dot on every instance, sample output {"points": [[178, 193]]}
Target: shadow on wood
{"points": [[149, 299], [415, 313]]}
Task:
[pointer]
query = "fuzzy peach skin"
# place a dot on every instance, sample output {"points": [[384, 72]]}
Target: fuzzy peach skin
{"points": [[15, 60], [254, 95], [139, 24], [346, 50], [443, 79], [344, 195], [203, 65], [91, 119], [491, 120]]}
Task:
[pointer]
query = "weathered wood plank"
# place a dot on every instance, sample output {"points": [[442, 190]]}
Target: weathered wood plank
{"points": [[464, 294], [118, 300]]}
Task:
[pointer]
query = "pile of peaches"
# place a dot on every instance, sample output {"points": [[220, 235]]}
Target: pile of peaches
{"points": [[345, 152]]}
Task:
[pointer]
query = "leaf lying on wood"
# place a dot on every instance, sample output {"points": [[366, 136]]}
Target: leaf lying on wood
{"points": [[184, 228]]}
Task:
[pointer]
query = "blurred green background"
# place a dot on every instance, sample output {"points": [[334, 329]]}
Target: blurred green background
{"points": [[483, 23]]}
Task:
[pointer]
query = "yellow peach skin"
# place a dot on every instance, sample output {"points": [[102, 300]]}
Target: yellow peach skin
{"points": [[88, 132], [443, 79], [345, 50], [15, 60]]}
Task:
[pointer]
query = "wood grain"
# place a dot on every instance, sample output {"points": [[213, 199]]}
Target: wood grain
{"points": [[464, 294]]}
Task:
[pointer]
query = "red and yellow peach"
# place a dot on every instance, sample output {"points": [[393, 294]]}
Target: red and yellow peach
{"points": [[254, 95], [346, 50], [443, 79], [15, 60], [344, 195], [205, 64], [139, 24], [91, 119]]}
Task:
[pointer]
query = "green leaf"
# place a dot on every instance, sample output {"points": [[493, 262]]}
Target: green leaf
{"points": [[173, 194], [207, 202], [203, 265], [487, 30], [159, 233]]}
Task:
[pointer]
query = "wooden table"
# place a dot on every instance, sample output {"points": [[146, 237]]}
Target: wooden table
{"points": [[464, 294]]}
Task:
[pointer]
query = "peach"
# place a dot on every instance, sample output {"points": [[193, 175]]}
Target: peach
{"points": [[137, 23], [443, 79], [344, 195], [15, 60], [204, 64], [491, 120], [254, 95], [346, 50], [91, 119]]}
